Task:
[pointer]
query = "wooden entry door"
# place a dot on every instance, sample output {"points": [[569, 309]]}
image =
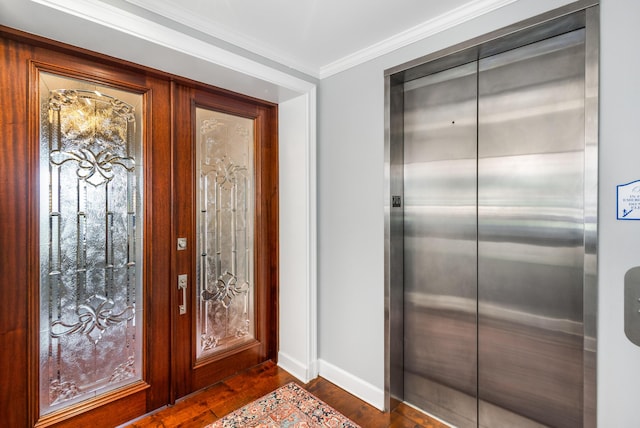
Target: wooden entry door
{"points": [[225, 208], [88, 209], [99, 179]]}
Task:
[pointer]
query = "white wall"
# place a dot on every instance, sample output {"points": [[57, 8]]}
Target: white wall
{"points": [[350, 232], [618, 358], [297, 318], [350, 201]]}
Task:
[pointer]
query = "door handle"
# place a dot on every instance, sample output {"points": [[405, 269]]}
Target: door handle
{"points": [[182, 285]]}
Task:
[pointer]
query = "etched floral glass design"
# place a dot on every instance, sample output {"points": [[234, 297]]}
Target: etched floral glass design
{"points": [[224, 307], [90, 240]]}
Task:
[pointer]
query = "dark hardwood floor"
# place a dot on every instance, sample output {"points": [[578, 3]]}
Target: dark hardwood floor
{"points": [[214, 402]]}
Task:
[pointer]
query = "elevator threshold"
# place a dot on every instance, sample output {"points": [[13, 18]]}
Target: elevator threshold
{"points": [[428, 415], [492, 416]]}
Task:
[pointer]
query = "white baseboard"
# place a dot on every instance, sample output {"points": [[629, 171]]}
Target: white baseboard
{"points": [[352, 384], [301, 371]]}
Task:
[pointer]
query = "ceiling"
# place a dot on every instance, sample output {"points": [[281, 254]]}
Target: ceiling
{"points": [[317, 37], [270, 49]]}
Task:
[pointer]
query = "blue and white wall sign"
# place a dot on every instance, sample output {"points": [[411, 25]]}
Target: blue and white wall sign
{"points": [[629, 201]]}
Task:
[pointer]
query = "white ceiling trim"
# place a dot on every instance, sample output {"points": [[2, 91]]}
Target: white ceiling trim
{"points": [[183, 16], [130, 23], [123, 21], [436, 25], [457, 16]]}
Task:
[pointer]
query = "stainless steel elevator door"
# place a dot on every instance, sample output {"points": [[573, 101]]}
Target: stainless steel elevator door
{"points": [[494, 238], [530, 234], [440, 243]]}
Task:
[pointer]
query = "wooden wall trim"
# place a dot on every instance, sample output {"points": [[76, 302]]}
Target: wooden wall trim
{"points": [[14, 227]]}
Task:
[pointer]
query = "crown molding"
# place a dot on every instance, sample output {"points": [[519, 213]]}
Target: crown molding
{"points": [[464, 13], [443, 22], [182, 16], [118, 19], [113, 17]]}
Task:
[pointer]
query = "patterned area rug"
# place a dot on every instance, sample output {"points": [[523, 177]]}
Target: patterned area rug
{"points": [[288, 406]]}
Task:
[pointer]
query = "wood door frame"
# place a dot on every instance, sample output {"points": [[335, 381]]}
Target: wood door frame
{"points": [[188, 375]]}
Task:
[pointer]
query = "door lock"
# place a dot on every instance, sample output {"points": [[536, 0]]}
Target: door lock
{"points": [[182, 244]]}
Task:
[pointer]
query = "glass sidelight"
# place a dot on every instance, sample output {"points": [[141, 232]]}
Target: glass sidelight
{"points": [[90, 240], [224, 227]]}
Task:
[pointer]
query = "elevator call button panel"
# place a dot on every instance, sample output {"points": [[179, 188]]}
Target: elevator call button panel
{"points": [[632, 305]]}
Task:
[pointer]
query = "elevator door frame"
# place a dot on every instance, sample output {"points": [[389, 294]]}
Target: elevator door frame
{"points": [[581, 14]]}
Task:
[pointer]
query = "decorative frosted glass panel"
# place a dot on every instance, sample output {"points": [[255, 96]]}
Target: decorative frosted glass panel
{"points": [[90, 240], [225, 318]]}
